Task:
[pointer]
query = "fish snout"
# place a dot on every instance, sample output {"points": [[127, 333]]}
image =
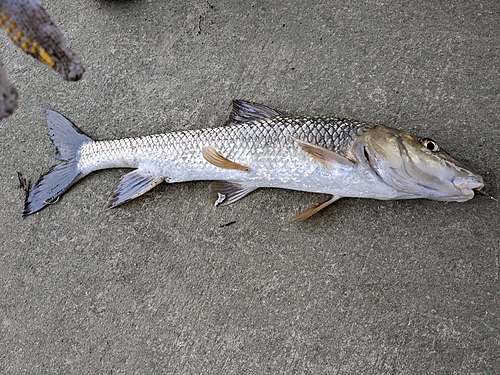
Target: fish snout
{"points": [[467, 185]]}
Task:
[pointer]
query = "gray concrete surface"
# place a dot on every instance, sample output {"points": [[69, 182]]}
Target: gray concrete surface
{"points": [[158, 286]]}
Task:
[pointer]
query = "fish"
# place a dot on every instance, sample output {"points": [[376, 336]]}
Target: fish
{"points": [[29, 27], [260, 147]]}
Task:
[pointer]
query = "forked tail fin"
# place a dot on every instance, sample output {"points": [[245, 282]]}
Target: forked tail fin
{"points": [[67, 140]]}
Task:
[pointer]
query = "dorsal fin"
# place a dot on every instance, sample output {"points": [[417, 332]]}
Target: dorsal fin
{"points": [[244, 111]]}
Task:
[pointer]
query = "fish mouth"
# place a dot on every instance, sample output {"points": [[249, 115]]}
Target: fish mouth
{"points": [[478, 191], [469, 185]]}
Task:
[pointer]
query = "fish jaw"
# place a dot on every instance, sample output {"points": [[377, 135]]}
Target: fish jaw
{"points": [[401, 161], [467, 186]]}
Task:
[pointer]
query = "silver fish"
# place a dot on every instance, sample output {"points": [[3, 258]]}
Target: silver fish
{"points": [[261, 147]]}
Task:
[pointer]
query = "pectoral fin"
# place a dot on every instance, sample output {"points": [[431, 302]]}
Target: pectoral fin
{"points": [[213, 157], [314, 209], [326, 157], [133, 185], [224, 192]]}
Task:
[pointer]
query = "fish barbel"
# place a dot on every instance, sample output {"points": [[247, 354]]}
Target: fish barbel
{"points": [[260, 147]]}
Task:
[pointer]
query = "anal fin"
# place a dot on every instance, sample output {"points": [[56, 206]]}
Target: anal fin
{"points": [[223, 193], [326, 157], [214, 157], [314, 209], [133, 185]]}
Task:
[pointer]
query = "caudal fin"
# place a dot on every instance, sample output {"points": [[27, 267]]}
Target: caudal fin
{"points": [[67, 140]]}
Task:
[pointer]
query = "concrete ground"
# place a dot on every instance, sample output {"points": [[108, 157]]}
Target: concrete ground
{"points": [[160, 285]]}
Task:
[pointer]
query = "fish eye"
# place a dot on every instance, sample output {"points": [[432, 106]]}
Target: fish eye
{"points": [[429, 144]]}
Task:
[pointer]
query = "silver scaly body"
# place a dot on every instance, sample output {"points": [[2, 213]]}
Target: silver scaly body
{"points": [[266, 146], [259, 147]]}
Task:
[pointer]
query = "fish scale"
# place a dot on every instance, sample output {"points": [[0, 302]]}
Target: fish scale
{"points": [[245, 143]]}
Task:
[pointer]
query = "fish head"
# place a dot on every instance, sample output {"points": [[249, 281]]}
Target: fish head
{"points": [[416, 167]]}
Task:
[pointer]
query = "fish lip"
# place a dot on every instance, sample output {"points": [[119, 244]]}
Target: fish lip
{"points": [[468, 185]]}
